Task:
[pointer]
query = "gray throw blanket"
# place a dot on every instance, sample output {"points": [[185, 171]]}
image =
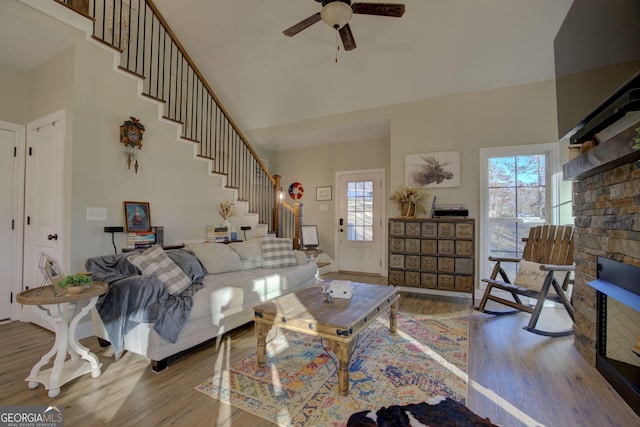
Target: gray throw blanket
{"points": [[134, 298]]}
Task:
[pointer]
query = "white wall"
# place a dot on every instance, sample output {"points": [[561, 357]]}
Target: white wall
{"points": [[13, 95], [316, 167], [524, 114], [183, 196], [516, 115]]}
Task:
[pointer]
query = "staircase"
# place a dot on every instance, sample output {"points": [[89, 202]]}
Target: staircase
{"points": [[148, 50]]}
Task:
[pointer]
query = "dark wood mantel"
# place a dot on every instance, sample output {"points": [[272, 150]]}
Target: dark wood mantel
{"points": [[607, 155]]}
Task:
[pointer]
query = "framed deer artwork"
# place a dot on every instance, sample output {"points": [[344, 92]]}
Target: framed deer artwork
{"points": [[432, 170]]}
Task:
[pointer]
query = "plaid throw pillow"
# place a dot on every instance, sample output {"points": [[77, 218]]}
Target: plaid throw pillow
{"points": [[277, 252], [155, 262]]}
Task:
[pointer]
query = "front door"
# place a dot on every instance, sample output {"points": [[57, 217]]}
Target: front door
{"points": [[44, 197], [12, 140], [360, 216]]}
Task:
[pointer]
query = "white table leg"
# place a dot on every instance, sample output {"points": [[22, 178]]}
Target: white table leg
{"points": [[78, 349], [55, 316], [66, 343]]}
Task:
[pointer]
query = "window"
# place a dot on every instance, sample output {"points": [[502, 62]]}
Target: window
{"points": [[517, 193], [360, 211]]}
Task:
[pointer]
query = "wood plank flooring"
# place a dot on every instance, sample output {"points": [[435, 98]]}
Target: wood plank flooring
{"points": [[516, 378]]}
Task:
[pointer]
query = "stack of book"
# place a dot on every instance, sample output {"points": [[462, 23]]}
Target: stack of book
{"points": [[141, 240], [217, 233]]}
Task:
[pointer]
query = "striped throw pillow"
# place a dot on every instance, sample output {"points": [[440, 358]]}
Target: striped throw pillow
{"points": [[277, 252], [155, 262]]}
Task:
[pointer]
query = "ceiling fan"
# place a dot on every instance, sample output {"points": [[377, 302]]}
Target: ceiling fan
{"points": [[337, 14]]}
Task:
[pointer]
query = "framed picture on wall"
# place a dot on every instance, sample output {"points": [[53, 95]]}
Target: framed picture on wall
{"points": [[432, 170], [137, 217], [323, 193]]}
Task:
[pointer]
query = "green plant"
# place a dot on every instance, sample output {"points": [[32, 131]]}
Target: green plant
{"points": [[636, 139], [75, 280]]}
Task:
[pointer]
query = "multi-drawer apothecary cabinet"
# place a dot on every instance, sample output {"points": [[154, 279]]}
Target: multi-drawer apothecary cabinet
{"points": [[433, 253]]}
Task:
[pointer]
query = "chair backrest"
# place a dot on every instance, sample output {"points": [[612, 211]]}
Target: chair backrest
{"points": [[549, 244]]}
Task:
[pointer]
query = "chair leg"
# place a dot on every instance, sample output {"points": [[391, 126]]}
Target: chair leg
{"points": [[487, 296], [542, 297]]}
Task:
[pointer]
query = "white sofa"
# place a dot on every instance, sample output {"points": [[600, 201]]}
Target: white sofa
{"points": [[238, 277]]}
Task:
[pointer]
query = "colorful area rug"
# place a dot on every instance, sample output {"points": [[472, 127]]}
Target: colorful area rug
{"points": [[299, 385]]}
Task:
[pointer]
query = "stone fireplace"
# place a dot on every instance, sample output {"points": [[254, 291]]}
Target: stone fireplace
{"points": [[606, 199]]}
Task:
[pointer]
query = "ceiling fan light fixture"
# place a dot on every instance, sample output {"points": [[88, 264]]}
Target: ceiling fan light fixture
{"points": [[336, 14]]}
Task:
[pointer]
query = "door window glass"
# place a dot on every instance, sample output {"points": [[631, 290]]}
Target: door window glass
{"points": [[360, 211]]}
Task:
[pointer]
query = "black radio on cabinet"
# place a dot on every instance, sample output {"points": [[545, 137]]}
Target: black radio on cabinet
{"points": [[440, 211]]}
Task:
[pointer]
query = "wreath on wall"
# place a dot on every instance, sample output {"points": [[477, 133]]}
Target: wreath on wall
{"points": [[296, 190]]}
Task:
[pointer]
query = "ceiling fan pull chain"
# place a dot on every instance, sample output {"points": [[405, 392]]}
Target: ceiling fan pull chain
{"points": [[337, 44]]}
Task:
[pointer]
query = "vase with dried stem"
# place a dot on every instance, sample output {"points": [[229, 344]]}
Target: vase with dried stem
{"points": [[407, 198], [226, 210]]}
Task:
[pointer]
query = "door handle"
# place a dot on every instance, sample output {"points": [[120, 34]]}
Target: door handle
{"points": [[52, 236]]}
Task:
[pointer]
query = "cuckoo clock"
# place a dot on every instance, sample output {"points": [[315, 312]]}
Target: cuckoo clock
{"points": [[131, 136]]}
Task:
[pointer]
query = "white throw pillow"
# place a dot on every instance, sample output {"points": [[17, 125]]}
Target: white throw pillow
{"points": [[277, 252], [155, 262], [216, 257], [530, 276], [250, 253]]}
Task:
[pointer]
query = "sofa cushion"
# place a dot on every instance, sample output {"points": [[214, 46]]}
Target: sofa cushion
{"points": [[250, 253], [155, 262], [277, 252], [216, 257]]}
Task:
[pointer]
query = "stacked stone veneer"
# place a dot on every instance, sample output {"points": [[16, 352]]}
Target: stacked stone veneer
{"points": [[607, 223]]}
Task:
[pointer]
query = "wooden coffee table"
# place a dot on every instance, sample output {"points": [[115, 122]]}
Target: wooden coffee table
{"points": [[339, 323]]}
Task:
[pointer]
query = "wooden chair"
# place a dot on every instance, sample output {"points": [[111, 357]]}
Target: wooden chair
{"points": [[551, 248]]}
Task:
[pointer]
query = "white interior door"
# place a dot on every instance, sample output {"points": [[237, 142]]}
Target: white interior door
{"points": [[12, 142], [44, 196], [360, 214]]}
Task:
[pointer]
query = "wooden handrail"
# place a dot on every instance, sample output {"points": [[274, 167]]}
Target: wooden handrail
{"points": [[204, 81]]}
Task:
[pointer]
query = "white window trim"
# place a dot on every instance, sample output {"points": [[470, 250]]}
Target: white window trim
{"points": [[552, 195]]}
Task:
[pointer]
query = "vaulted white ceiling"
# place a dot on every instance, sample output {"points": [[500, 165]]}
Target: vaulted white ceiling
{"points": [[265, 79], [439, 47]]}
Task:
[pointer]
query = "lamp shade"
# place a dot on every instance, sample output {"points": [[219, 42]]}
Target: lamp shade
{"points": [[336, 14]]}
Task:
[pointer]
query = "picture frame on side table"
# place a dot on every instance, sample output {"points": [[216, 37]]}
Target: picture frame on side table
{"points": [[137, 217], [51, 271], [309, 236], [323, 193]]}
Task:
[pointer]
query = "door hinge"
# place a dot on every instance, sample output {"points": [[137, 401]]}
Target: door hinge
{"points": [[11, 297], [28, 220], [30, 150], [13, 224], [15, 151]]}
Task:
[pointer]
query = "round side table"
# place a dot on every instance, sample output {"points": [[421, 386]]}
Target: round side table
{"points": [[56, 309]]}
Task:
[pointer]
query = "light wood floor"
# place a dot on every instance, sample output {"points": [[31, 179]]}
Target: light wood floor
{"points": [[515, 378]]}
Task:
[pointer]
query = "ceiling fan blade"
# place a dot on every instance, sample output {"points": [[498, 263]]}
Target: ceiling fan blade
{"points": [[348, 42], [305, 23], [395, 10]]}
